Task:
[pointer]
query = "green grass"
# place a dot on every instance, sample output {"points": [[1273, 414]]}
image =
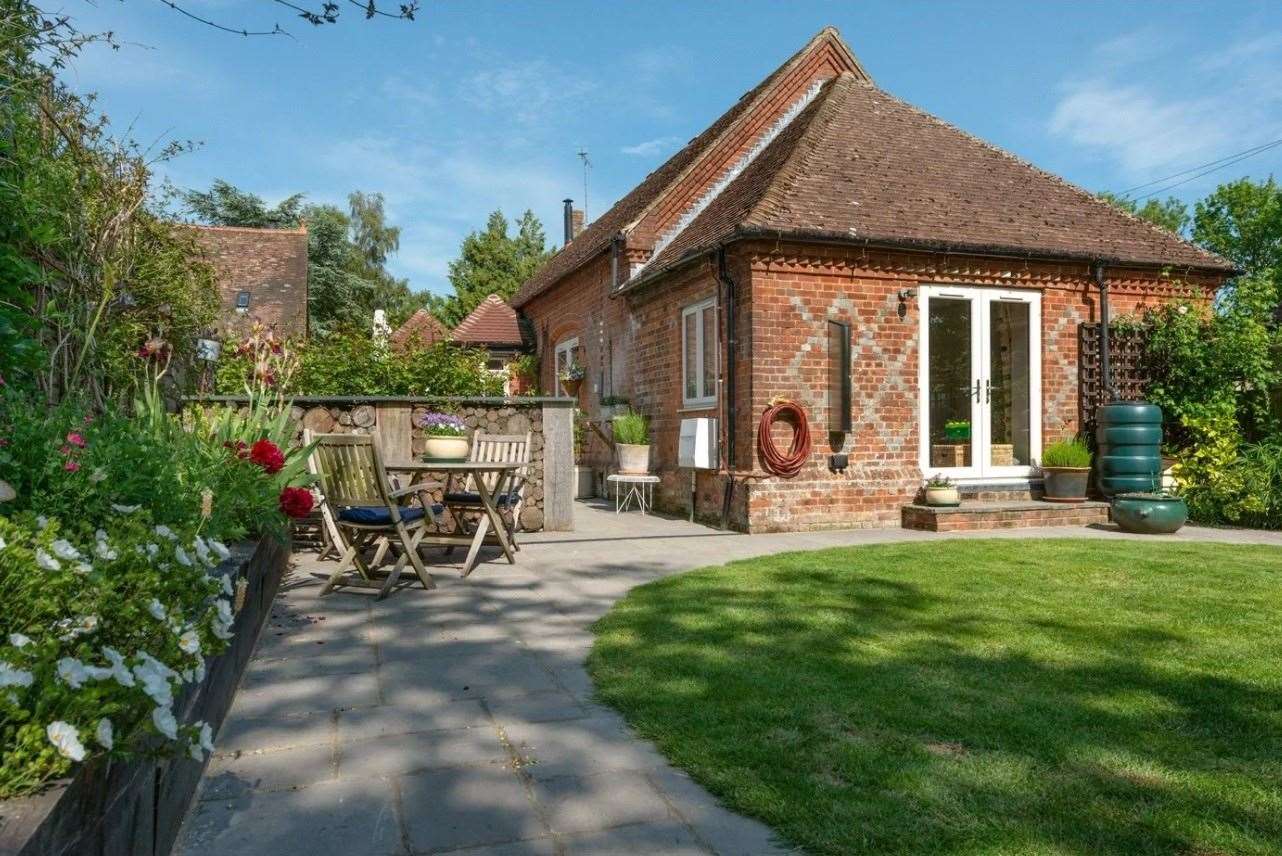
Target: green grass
{"points": [[994, 697]]}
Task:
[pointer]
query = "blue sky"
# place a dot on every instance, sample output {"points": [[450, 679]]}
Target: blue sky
{"points": [[483, 105]]}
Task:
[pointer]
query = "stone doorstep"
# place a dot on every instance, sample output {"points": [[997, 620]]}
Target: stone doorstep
{"points": [[1017, 514]]}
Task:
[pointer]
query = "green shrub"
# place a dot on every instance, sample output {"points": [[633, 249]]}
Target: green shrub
{"points": [[1068, 452], [631, 429]]}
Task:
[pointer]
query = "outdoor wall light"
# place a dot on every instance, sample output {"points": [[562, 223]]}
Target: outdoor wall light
{"points": [[905, 295]]}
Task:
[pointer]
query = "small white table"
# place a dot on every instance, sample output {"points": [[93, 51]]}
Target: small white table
{"points": [[629, 488]]}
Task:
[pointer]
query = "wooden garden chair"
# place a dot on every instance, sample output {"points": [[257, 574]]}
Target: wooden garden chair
{"points": [[494, 448], [367, 511]]}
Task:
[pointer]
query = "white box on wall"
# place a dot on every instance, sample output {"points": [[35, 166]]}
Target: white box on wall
{"points": [[698, 447]]}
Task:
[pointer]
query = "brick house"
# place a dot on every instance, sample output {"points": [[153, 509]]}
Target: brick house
{"points": [[495, 326], [420, 330], [261, 274], [817, 209]]}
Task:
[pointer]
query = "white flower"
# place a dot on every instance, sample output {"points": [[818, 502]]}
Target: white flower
{"points": [[103, 551], [193, 749], [77, 627], [202, 550], [181, 555], [165, 532], [104, 734], [44, 560], [11, 677], [155, 677], [157, 609], [83, 568], [228, 589], [224, 611], [87, 624], [125, 509], [206, 737], [100, 535], [67, 739], [188, 676], [119, 670], [72, 672], [3, 544], [221, 549], [189, 642], [99, 474], [63, 550], [1183, 309], [163, 719], [18, 640], [152, 550], [42, 522]]}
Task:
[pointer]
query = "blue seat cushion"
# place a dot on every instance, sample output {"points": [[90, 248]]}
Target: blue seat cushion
{"points": [[468, 498], [377, 515]]}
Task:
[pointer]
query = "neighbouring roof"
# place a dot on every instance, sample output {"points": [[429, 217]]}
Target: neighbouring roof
{"points": [[492, 322], [859, 164], [421, 327], [597, 236]]}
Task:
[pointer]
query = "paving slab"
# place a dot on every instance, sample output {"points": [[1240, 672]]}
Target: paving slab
{"points": [[462, 720]]}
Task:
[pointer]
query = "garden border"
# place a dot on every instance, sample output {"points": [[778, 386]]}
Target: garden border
{"points": [[136, 807]]}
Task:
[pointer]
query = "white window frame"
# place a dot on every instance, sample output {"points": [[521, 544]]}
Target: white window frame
{"points": [[567, 347], [708, 397]]}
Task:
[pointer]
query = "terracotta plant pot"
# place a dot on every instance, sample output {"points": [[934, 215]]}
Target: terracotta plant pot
{"points": [[943, 496], [633, 459], [442, 448], [1065, 484]]}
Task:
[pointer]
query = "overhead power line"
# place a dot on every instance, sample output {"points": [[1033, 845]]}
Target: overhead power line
{"points": [[1201, 170]]}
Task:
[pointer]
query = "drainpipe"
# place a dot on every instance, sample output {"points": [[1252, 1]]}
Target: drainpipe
{"points": [[1106, 367], [729, 311], [616, 244]]}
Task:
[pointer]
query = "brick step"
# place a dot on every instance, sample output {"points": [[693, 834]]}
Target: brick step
{"points": [[1011, 514]]}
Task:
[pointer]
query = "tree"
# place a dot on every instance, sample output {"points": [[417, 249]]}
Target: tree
{"points": [[492, 262], [1171, 214], [226, 205], [1242, 221]]}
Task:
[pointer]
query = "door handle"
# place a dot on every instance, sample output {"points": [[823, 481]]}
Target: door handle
{"points": [[975, 392], [988, 391]]}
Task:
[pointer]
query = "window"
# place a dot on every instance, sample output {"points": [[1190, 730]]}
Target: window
{"points": [[567, 354], [699, 354], [242, 301]]}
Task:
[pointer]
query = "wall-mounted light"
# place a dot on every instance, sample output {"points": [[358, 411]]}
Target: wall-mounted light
{"points": [[905, 295]]}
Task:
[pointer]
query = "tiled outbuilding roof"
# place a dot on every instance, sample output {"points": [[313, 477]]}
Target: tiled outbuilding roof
{"points": [[492, 322], [861, 165], [421, 328]]}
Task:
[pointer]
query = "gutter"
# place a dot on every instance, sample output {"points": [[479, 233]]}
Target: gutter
{"points": [[913, 244]]}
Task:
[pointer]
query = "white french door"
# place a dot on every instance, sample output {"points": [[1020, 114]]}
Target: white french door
{"points": [[980, 381]]}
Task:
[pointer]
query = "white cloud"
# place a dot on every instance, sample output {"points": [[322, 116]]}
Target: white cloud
{"points": [[651, 147], [1149, 122]]}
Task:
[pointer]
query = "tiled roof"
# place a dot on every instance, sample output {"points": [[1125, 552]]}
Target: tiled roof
{"points": [[597, 236], [421, 327], [861, 165], [492, 322]]}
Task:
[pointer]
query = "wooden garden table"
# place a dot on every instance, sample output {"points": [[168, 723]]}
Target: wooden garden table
{"points": [[502, 471]]}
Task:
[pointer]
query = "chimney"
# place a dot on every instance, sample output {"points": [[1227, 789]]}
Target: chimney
{"points": [[569, 220], [576, 222]]}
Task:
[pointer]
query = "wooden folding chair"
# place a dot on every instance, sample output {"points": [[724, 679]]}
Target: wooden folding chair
{"points": [[366, 512], [494, 448]]}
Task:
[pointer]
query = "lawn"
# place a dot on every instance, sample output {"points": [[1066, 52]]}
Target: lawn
{"points": [[994, 697]]}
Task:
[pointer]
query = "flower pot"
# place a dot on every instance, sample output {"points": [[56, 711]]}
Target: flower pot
{"points": [[445, 448], [1149, 513], [633, 459], [943, 496], [572, 387], [1065, 484]]}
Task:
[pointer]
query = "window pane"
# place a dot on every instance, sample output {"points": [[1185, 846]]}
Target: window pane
{"points": [[690, 347], [950, 383], [1010, 393], [709, 352]]}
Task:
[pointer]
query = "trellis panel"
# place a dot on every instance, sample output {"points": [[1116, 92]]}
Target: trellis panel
{"points": [[1126, 349]]}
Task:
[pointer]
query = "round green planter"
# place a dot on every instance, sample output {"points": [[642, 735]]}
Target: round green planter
{"points": [[1149, 513]]}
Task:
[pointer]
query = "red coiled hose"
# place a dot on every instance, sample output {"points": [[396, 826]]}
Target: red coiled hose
{"points": [[772, 459]]}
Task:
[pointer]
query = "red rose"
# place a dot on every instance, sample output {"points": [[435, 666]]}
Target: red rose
{"points": [[267, 455], [296, 501]]}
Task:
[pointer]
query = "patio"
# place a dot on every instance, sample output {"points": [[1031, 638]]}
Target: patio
{"points": [[461, 720]]}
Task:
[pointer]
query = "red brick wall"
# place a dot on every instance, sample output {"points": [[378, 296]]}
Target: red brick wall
{"points": [[271, 264], [786, 295]]}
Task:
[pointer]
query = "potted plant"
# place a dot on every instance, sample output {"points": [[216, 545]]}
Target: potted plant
{"points": [[957, 429], [1066, 469], [940, 491], [632, 439], [572, 379], [1158, 513], [523, 375], [446, 437], [614, 405]]}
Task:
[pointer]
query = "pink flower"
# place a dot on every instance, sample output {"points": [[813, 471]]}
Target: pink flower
{"points": [[66, 450], [71, 466], [76, 440]]}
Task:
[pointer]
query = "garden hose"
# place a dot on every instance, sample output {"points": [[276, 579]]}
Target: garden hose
{"points": [[774, 461]]}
